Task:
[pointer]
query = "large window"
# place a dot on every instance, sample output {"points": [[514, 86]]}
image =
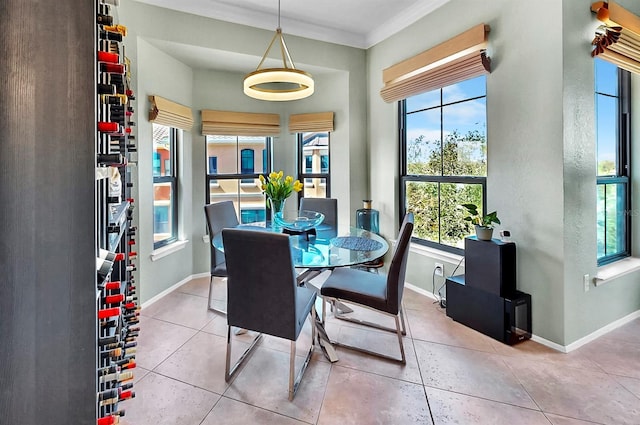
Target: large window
{"points": [[313, 164], [444, 160], [165, 185], [612, 91], [234, 164]]}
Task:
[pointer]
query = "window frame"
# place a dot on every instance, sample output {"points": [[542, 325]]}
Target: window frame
{"points": [[623, 166], [302, 174], [438, 179], [242, 178], [173, 180]]}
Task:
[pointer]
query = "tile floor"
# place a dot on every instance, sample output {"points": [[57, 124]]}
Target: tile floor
{"points": [[453, 374]]}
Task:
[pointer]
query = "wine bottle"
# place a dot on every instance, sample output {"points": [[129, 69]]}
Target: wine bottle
{"points": [[110, 159], [114, 299], [111, 256], [116, 377], [109, 57], [106, 89], [108, 312], [112, 68], [116, 28], [109, 35], [104, 19], [108, 340], [109, 420]]}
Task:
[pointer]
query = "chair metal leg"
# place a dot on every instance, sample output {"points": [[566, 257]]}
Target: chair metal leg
{"points": [[229, 371], [339, 314], [294, 384], [398, 331], [216, 310]]}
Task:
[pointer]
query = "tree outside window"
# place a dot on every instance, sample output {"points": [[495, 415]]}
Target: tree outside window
{"points": [[444, 161]]}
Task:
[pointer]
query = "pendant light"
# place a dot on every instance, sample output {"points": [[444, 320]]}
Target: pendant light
{"points": [[278, 84]]}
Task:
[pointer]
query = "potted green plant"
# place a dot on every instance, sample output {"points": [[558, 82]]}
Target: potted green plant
{"points": [[484, 223]]}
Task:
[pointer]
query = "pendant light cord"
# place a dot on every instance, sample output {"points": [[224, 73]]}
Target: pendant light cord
{"points": [[278, 13]]}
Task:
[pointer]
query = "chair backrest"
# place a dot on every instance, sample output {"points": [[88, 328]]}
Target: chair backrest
{"points": [[219, 215], [326, 206], [398, 267], [261, 282]]}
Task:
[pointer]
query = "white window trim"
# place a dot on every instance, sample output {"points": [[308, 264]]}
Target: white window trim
{"points": [[609, 272], [168, 249]]}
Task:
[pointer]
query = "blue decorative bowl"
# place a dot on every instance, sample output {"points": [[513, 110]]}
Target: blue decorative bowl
{"points": [[298, 220]]}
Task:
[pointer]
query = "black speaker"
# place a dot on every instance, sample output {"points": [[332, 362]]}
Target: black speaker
{"points": [[490, 265], [506, 319]]}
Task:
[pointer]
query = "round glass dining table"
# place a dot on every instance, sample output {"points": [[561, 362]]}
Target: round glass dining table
{"points": [[328, 248]]}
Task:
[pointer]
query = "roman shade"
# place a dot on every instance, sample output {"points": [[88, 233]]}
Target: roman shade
{"points": [[458, 59], [617, 40], [166, 112], [225, 123], [320, 121]]}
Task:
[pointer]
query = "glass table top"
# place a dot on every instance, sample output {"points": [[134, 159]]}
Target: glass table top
{"points": [[329, 248]]}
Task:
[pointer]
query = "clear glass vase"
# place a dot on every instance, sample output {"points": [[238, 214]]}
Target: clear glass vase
{"points": [[277, 206]]}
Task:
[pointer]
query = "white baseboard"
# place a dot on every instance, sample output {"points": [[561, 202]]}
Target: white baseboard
{"points": [[603, 330], [555, 346], [173, 288]]}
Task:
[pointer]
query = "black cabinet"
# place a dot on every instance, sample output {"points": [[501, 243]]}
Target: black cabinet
{"points": [[485, 298]]}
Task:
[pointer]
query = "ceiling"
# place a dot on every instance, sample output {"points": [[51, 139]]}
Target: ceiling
{"points": [[355, 23]]}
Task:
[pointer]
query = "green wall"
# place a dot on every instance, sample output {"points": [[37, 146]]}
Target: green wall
{"points": [[541, 155], [541, 158]]}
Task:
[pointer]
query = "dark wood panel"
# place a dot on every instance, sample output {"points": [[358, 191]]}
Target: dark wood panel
{"points": [[47, 247]]}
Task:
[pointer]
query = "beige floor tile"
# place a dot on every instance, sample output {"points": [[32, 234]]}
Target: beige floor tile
{"points": [[453, 408], [199, 286], [630, 384], [433, 325], [264, 381], [615, 356], [382, 342], [563, 420], [158, 340], [470, 372], [532, 350], [415, 301], [356, 397], [201, 362], [577, 393], [181, 309], [164, 401], [629, 332], [231, 412]]}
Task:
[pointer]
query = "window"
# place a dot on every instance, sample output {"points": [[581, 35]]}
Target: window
{"points": [[612, 92], [444, 161], [246, 164], [165, 185], [313, 164], [232, 175]]}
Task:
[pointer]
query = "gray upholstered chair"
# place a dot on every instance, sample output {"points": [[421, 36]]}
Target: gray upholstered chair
{"points": [[263, 296], [220, 215], [326, 206], [376, 292]]}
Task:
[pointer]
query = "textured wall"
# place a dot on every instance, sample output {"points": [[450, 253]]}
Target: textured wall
{"points": [[47, 181]]}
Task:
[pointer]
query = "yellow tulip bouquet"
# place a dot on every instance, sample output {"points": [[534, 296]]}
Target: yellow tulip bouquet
{"points": [[277, 188]]}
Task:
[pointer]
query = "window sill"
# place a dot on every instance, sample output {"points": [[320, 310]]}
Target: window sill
{"points": [[612, 271], [436, 254], [167, 250]]}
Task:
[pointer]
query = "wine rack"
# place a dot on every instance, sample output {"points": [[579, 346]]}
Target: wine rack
{"points": [[117, 302]]}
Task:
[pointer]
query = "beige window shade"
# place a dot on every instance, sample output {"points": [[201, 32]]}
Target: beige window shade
{"points": [[226, 123], [455, 60], [166, 112], [301, 123], [617, 40]]}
